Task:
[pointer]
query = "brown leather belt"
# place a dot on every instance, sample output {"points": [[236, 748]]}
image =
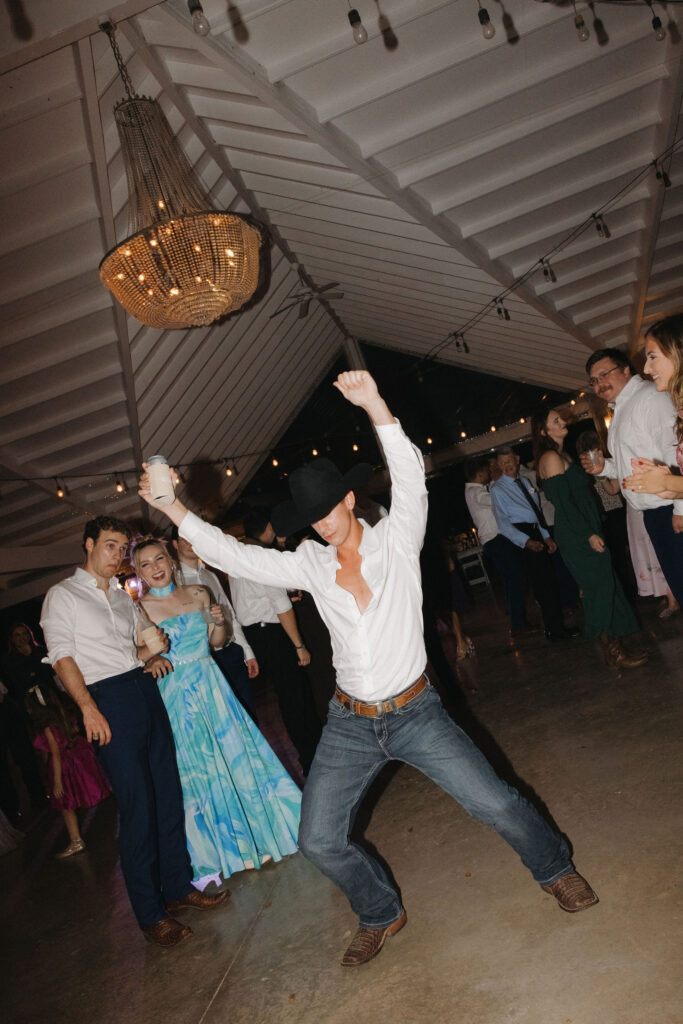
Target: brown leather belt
{"points": [[381, 707]]}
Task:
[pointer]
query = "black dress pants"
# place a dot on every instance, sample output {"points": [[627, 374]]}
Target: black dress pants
{"points": [[539, 569], [279, 666]]}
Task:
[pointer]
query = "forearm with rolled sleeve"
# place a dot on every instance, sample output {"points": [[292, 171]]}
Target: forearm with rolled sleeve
{"points": [[58, 622]]}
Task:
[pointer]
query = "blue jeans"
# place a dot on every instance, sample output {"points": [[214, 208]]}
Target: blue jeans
{"points": [[352, 751]]}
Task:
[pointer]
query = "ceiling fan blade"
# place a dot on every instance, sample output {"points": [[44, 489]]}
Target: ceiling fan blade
{"points": [[303, 308], [284, 309], [335, 295], [326, 287]]}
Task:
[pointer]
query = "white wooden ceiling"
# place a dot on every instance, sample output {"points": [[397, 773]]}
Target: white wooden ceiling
{"points": [[425, 179]]}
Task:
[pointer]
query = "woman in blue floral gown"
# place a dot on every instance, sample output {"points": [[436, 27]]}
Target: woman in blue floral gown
{"points": [[241, 807]]}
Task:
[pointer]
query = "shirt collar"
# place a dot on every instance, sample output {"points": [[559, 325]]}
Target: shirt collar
{"points": [[86, 579]]}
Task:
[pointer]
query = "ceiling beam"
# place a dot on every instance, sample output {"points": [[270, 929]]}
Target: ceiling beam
{"points": [[72, 33], [39, 556], [670, 106], [95, 135], [232, 59], [31, 474]]}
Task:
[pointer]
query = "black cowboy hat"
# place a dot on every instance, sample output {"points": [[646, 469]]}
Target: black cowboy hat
{"points": [[315, 489]]}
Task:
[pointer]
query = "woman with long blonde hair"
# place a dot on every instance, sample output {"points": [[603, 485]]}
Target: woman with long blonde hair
{"points": [[664, 364], [241, 807]]}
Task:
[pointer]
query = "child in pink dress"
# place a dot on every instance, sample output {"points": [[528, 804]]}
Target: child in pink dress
{"points": [[75, 778]]}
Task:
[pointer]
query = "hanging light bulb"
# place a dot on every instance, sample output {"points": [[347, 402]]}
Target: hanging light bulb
{"points": [[548, 272], [488, 29], [120, 486], [200, 22], [501, 310], [60, 489], [581, 29], [360, 34], [355, 447], [657, 27], [661, 174], [463, 433], [429, 440], [314, 451], [601, 226], [275, 462]]}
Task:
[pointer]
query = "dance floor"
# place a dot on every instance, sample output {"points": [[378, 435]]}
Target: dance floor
{"points": [[600, 750]]}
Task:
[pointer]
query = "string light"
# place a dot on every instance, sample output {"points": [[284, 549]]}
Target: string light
{"points": [[429, 440], [657, 27], [275, 462], [360, 34], [488, 29], [601, 226], [314, 451], [463, 433], [661, 174], [581, 29], [120, 486], [548, 272], [355, 447], [60, 489], [501, 310], [200, 22]]}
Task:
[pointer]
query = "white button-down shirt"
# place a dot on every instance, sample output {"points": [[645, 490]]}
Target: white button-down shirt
{"points": [[79, 622], [478, 501], [380, 652], [205, 578], [257, 603], [643, 426]]}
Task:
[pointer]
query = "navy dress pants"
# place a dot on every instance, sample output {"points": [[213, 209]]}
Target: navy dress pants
{"points": [[141, 765]]}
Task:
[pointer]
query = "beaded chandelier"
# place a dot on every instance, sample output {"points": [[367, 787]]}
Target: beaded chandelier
{"points": [[183, 263]]}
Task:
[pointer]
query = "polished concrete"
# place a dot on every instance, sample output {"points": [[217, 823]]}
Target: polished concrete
{"points": [[599, 749]]}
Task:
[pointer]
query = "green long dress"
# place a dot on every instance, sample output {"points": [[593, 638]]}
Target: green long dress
{"points": [[605, 607]]}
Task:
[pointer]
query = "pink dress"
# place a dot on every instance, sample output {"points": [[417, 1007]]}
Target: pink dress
{"points": [[651, 579], [84, 782]]}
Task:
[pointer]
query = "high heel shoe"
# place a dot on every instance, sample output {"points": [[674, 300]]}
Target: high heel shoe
{"points": [[75, 846]]}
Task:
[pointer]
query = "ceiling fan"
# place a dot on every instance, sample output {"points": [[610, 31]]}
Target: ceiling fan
{"points": [[308, 292]]}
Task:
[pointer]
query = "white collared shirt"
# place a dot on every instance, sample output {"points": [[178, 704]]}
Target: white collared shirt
{"points": [[79, 622], [205, 578], [256, 602], [378, 653], [643, 426], [478, 501]]}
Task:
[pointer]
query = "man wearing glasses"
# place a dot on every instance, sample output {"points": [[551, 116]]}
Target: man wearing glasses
{"points": [[642, 427]]}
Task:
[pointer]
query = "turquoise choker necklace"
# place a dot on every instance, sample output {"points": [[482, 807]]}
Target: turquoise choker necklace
{"points": [[162, 591]]}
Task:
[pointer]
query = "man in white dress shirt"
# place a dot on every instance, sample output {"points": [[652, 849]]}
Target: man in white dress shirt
{"points": [[235, 659], [643, 426], [90, 631], [502, 552], [366, 584], [272, 629]]}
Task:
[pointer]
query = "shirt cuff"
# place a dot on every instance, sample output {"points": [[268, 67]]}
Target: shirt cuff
{"points": [[58, 652], [190, 528]]}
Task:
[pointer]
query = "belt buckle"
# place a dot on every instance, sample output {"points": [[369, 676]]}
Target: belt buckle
{"points": [[381, 711]]}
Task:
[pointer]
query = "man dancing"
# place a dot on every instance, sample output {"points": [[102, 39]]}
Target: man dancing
{"points": [[366, 584]]}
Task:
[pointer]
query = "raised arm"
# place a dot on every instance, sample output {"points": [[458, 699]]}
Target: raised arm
{"points": [[408, 514]]}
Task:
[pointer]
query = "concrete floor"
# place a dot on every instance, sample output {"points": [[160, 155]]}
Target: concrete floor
{"points": [[483, 944]]}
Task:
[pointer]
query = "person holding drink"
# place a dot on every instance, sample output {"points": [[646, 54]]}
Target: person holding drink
{"points": [[91, 635], [241, 807]]}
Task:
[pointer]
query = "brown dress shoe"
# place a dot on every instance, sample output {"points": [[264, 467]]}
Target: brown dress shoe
{"points": [[196, 900], [167, 932], [572, 892], [367, 942], [617, 657]]}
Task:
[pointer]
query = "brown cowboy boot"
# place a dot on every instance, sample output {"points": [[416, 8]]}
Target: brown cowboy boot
{"points": [[367, 942], [617, 657]]}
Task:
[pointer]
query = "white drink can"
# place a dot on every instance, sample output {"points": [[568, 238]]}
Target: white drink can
{"points": [[160, 481]]}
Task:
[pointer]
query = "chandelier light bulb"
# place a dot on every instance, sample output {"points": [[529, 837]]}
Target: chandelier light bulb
{"points": [[581, 29], [659, 30], [360, 34], [488, 29], [200, 22]]}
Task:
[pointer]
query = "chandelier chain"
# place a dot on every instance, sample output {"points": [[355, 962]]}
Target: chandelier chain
{"points": [[110, 30]]}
